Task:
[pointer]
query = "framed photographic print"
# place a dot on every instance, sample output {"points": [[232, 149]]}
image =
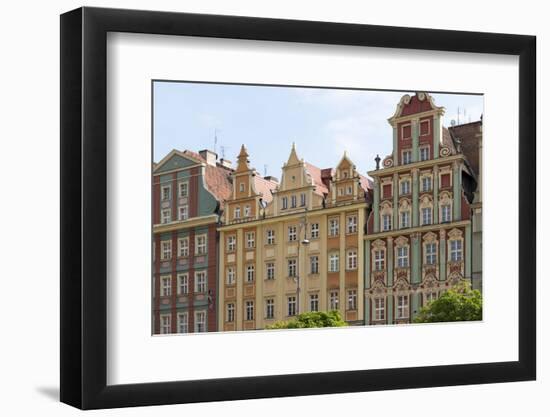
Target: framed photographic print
{"points": [[258, 207]]}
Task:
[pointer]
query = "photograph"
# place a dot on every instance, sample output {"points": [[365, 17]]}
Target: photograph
{"points": [[291, 207]]}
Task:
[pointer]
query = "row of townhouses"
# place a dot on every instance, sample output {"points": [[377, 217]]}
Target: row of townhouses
{"points": [[233, 250]]}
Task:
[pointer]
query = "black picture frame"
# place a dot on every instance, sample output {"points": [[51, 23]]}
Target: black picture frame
{"points": [[84, 207]]}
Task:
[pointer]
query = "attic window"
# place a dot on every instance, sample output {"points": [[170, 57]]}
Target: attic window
{"points": [[241, 187], [345, 174]]}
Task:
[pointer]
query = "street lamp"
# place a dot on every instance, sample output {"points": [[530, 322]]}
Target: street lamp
{"points": [[305, 242]]}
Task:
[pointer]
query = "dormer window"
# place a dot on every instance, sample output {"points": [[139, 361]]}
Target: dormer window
{"points": [[241, 187]]}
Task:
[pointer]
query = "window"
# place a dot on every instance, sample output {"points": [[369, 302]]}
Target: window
{"points": [[333, 300], [407, 157], [166, 252], [249, 310], [424, 154], [183, 323], [352, 259], [166, 289], [379, 260], [292, 234], [379, 309], [431, 254], [165, 324], [349, 190], [270, 270], [341, 191], [200, 245], [456, 250], [237, 213], [183, 212], [241, 187], [314, 302], [270, 237], [405, 187], [250, 273], [405, 219], [250, 240], [183, 189], [386, 222], [230, 312], [426, 215], [445, 213], [403, 257], [230, 275], [314, 264], [314, 230], [200, 321], [292, 267], [352, 300], [166, 192], [352, 224], [402, 306], [431, 296], [200, 281], [285, 203], [333, 227], [291, 303], [292, 201], [183, 284], [426, 183], [183, 246], [302, 199], [231, 243], [247, 211], [334, 262], [269, 308], [166, 216]]}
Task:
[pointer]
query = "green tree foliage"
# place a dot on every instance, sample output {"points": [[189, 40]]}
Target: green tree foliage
{"points": [[459, 303], [311, 319]]}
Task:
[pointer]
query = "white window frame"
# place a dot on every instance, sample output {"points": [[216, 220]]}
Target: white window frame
{"points": [[237, 212], [402, 257], [380, 309], [351, 259], [165, 324], [352, 300], [402, 307], [183, 189], [292, 267], [456, 253], [291, 306], [183, 283], [284, 204], [166, 193], [201, 282], [334, 227], [351, 224], [302, 199], [183, 212], [334, 300], [270, 237], [426, 150], [165, 285], [446, 213], [405, 215], [313, 302], [183, 246], [408, 159], [292, 233], [334, 262], [430, 250], [250, 240], [200, 320], [314, 231], [249, 310], [427, 184], [250, 272], [230, 275], [386, 222], [183, 322], [166, 250], [231, 243], [241, 187], [270, 270], [166, 216], [230, 312], [247, 210], [293, 201], [379, 259], [201, 247], [269, 308], [314, 264], [405, 190], [426, 215]]}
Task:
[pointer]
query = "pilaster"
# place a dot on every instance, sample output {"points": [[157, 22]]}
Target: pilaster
{"points": [[376, 205], [389, 260], [436, 194], [442, 255], [457, 191], [415, 126], [415, 197], [436, 135], [416, 264]]}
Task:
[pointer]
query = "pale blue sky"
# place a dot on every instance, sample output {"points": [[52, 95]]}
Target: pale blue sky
{"points": [[322, 122]]}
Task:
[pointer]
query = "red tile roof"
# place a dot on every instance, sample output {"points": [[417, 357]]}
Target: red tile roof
{"points": [[264, 187], [469, 142], [317, 176], [218, 182]]}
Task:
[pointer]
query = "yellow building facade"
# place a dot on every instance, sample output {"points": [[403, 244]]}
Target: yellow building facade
{"points": [[294, 245]]}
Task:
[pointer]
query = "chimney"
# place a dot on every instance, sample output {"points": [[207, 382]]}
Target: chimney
{"points": [[209, 156], [226, 163]]}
